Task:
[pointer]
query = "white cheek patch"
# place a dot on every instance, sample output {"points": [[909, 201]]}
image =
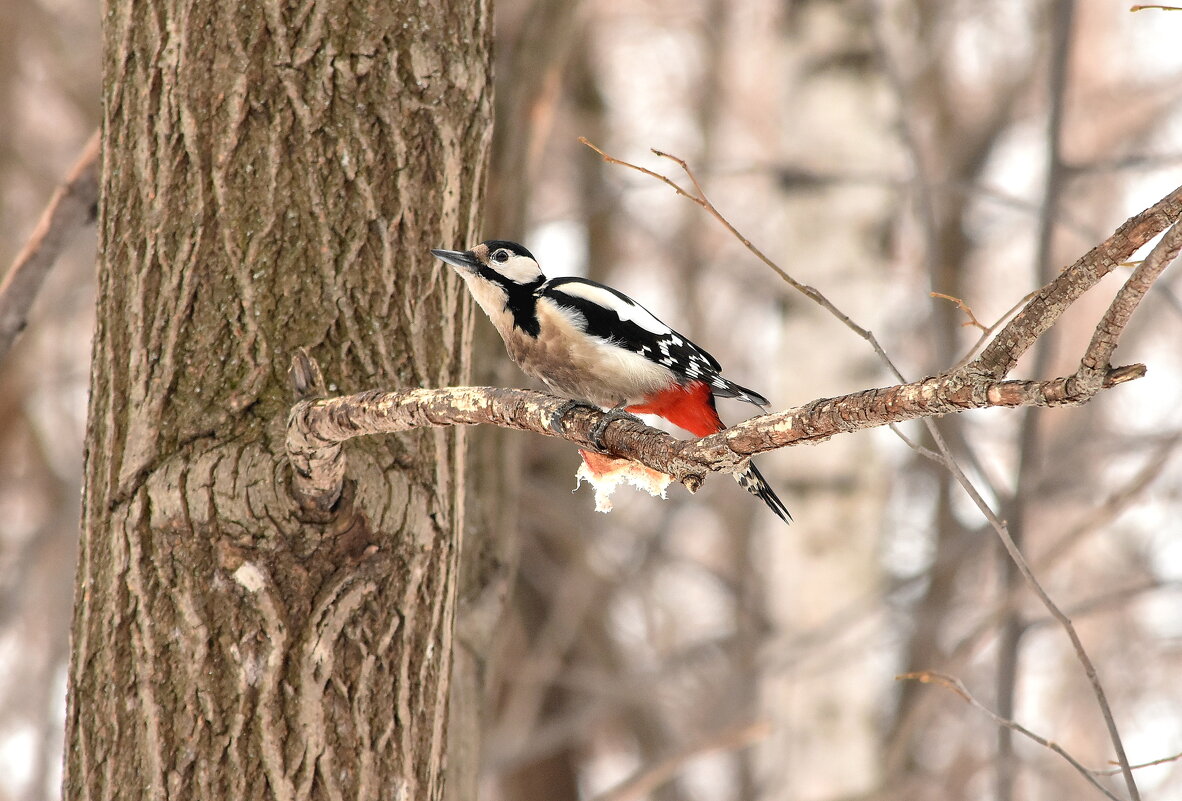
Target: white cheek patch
{"points": [[518, 269], [625, 310]]}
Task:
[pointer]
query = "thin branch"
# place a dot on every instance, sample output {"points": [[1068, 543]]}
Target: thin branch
{"points": [[647, 779], [957, 686], [988, 332], [964, 307], [1139, 765], [70, 208], [699, 197], [1128, 297]]}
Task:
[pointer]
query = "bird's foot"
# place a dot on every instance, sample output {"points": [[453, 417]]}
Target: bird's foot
{"points": [[560, 412], [609, 417], [597, 430]]}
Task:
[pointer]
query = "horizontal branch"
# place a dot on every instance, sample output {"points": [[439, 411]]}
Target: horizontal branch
{"points": [[317, 427]]}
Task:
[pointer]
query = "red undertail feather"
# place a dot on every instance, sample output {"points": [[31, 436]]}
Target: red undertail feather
{"points": [[689, 406], [692, 407]]}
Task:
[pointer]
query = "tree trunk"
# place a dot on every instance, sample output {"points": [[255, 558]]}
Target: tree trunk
{"points": [[273, 177]]}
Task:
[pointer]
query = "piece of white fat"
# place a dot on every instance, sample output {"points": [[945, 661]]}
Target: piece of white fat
{"points": [[604, 474]]}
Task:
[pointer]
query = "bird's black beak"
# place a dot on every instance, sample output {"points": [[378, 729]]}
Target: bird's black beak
{"points": [[462, 259]]}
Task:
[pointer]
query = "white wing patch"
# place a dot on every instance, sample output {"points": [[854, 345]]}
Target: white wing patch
{"points": [[624, 309]]}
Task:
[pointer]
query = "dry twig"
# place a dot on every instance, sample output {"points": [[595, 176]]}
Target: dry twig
{"points": [[699, 197], [647, 779], [956, 686], [964, 307], [71, 207], [1139, 765]]}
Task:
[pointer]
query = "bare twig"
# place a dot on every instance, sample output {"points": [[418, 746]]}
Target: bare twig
{"points": [[987, 332], [1139, 765], [964, 307], [699, 197], [1128, 297], [70, 208], [956, 686], [647, 779]]}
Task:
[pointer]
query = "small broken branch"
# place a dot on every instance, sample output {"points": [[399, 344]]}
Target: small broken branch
{"points": [[964, 307], [318, 461], [71, 207]]}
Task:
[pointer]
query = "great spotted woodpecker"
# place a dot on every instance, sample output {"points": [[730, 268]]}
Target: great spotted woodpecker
{"points": [[589, 342]]}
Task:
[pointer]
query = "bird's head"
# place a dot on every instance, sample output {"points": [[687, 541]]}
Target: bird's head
{"points": [[507, 264]]}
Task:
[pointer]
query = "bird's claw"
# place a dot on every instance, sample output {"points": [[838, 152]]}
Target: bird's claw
{"points": [[597, 430], [609, 417], [559, 413]]}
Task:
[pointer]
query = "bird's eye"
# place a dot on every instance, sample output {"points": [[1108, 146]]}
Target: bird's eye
{"points": [[501, 256]]}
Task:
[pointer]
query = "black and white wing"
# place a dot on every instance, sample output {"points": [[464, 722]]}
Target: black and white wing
{"points": [[615, 318]]}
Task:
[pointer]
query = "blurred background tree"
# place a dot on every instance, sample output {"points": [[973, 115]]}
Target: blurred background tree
{"points": [[878, 151]]}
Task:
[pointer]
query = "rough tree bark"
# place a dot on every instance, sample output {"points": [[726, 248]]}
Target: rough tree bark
{"points": [[273, 176]]}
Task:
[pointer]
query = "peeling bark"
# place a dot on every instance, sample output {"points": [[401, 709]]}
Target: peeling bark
{"points": [[273, 177]]}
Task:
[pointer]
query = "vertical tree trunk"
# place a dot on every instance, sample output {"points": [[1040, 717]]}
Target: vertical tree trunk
{"points": [[273, 177]]}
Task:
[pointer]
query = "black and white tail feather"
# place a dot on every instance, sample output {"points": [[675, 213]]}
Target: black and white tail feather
{"points": [[750, 479]]}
